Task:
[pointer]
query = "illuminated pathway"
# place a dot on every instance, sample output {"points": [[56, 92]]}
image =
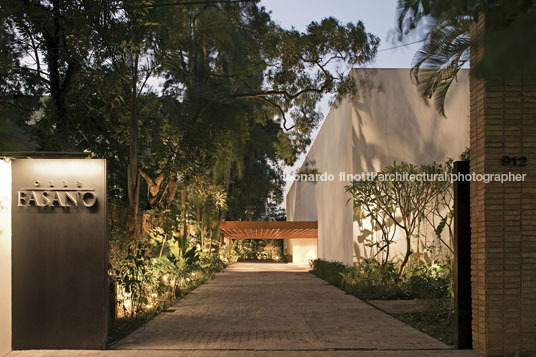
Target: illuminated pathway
{"points": [[271, 309]]}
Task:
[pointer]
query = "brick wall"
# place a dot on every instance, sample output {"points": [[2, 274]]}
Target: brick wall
{"points": [[503, 216]]}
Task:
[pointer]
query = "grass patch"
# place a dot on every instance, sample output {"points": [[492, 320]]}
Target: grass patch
{"points": [[437, 320]]}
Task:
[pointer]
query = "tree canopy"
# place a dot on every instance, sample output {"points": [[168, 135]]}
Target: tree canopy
{"points": [[173, 94]]}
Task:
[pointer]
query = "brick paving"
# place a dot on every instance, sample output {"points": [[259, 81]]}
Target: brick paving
{"points": [[270, 309]]}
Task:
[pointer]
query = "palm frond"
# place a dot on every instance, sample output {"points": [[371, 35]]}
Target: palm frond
{"points": [[445, 51]]}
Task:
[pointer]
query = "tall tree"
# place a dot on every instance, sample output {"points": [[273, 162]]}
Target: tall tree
{"points": [[54, 41], [227, 70]]}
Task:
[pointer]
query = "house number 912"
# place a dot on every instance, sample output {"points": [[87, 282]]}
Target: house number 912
{"points": [[514, 160]]}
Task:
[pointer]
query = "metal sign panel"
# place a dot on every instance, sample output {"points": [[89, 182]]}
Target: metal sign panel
{"points": [[59, 252], [463, 338]]}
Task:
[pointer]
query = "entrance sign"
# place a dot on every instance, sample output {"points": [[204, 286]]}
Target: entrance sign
{"points": [[59, 252]]}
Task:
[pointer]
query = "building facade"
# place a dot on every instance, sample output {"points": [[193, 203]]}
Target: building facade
{"points": [[387, 121]]}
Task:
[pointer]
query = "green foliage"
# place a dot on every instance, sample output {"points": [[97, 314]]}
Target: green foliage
{"points": [[445, 50], [308, 172], [371, 280], [508, 56], [393, 200], [224, 65], [430, 282], [227, 75], [259, 249], [329, 271], [436, 319], [151, 273], [214, 131], [436, 64], [246, 249]]}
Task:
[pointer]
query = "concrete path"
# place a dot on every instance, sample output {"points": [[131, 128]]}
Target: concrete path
{"points": [[261, 309]]}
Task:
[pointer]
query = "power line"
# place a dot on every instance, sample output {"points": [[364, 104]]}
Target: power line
{"points": [[404, 45]]}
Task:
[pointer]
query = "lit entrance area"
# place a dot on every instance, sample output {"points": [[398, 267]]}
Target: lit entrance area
{"points": [[301, 237], [273, 309]]}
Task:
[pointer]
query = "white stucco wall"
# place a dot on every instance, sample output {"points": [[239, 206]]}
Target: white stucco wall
{"points": [[325, 201], [391, 122], [387, 121], [5, 257], [303, 250]]}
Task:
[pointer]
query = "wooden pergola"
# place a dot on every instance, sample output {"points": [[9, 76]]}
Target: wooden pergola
{"points": [[269, 229]]}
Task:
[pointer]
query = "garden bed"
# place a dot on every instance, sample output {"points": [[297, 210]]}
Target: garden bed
{"points": [[421, 297], [121, 327]]}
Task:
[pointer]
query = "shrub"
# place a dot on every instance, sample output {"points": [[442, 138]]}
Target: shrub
{"points": [[148, 275], [429, 282], [329, 271], [375, 281], [371, 280], [404, 205], [258, 249]]}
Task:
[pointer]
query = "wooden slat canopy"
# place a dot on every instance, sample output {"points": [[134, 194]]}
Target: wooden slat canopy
{"points": [[269, 229]]}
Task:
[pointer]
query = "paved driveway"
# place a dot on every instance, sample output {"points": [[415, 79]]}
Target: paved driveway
{"points": [[272, 309]]}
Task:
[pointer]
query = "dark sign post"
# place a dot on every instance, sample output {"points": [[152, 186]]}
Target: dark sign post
{"points": [[462, 259], [59, 251]]}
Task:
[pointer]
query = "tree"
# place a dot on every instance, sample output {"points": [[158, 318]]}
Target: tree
{"points": [[236, 54], [227, 70], [402, 202], [235, 65], [365, 206], [57, 37], [446, 44]]}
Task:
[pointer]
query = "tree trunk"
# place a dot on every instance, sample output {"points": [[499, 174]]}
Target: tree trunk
{"points": [[183, 211], [58, 87], [158, 195], [226, 183], [171, 189], [408, 253], [387, 251], [132, 174], [153, 187], [210, 245], [201, 230]]}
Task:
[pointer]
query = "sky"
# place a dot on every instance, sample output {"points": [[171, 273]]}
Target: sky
{"points": [[378, 16]]}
